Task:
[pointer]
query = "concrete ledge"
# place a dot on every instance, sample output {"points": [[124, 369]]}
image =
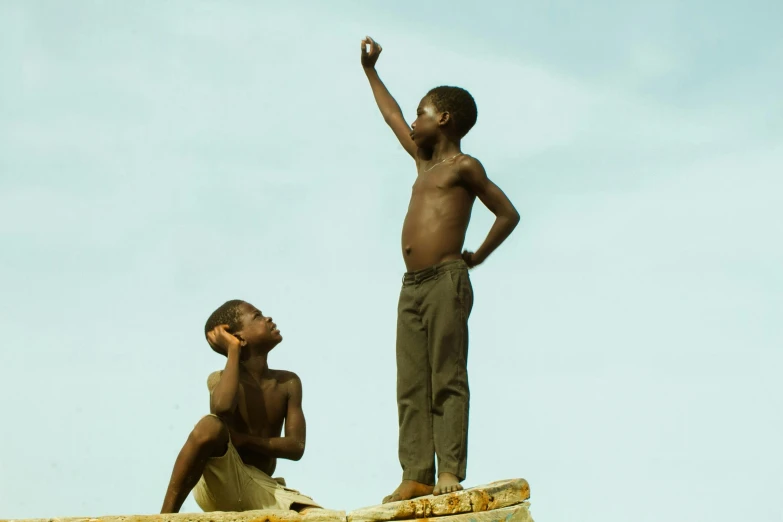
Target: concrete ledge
{"points": [[496, 495], [266, 515], [518, 513], [501, 501]]}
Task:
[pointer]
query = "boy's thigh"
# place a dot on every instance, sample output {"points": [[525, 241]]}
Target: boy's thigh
{"points": [[411, 341], [448, 305], [225, 484], [449, 300], [409, 323]]}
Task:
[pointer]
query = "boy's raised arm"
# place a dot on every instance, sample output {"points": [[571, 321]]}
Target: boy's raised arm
{"points": [[392, 114]]}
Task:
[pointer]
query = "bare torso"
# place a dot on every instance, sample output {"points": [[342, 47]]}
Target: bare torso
{"points": [[437, 220], [261, 411]]}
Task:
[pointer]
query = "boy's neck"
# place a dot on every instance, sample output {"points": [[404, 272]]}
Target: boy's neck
{"points": [[256, 364], [445, 148]]}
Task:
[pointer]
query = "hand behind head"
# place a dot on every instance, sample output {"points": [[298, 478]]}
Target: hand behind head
{"points": [[220, 339]]}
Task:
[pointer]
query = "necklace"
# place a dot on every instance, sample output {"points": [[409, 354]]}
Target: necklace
{"points": [[441, 161]]}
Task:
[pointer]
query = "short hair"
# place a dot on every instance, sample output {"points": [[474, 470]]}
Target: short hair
{"points": [[228, 313], [458, 103]]}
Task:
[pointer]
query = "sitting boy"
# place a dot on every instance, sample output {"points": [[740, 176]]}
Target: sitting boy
{"points": [[231, 454]]}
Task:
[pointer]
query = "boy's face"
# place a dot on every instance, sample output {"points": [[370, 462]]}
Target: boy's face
{"points": [[427, 125], [257, 330]]}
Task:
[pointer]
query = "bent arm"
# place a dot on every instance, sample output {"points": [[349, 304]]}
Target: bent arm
{"points": [[224, 387], [506, 216], [390, 110], [292, 445]]}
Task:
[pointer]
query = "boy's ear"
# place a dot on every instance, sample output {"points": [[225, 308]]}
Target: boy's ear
{"points": [[242, 342], [444, 119]]}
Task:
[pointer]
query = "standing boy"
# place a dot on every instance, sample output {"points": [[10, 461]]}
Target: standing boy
{"points": [[436, 297]]}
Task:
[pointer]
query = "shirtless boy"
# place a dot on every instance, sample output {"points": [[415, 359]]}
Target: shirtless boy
{"points": [[436, 296], [231, 454]]}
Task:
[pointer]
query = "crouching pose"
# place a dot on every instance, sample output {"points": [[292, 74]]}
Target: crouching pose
{"points": [[231, 454]]}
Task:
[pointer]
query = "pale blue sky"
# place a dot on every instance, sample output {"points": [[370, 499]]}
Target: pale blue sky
{"points": [[158, 158]]}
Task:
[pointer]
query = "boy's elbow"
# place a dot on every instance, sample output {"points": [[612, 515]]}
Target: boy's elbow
{"points": [[299, 452], [221, 408], [221, 412], [514, 217]]}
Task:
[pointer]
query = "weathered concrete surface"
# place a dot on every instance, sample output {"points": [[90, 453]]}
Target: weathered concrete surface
{"points": [[517, 513], [267, 515], [502, 501], [496, 495]]}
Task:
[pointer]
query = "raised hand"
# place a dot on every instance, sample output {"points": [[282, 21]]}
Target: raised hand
{"points": [[219, 338], [370, 57]]}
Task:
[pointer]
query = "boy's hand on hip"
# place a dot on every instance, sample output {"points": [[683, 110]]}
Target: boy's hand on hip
{"points": [[471, 259], [370, 57], [219, 337]]}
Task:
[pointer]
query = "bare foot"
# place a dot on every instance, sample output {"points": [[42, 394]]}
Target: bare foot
{"points": [[447, 483], [407, 490]]}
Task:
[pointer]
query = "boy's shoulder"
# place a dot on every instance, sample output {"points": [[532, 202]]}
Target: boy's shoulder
{"points": [[467, 162], [284, 376], [470, 170], [281, 376], [213, 379], [288, 381]]}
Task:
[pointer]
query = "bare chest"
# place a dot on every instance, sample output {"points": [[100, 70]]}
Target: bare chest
{"points": [[262, 406], [437, 182]]}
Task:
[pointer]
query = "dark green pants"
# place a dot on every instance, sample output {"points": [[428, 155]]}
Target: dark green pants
{"points": [[432, 374]]}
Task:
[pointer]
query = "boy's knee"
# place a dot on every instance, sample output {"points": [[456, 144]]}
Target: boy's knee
{"points": [[210, 430]]}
